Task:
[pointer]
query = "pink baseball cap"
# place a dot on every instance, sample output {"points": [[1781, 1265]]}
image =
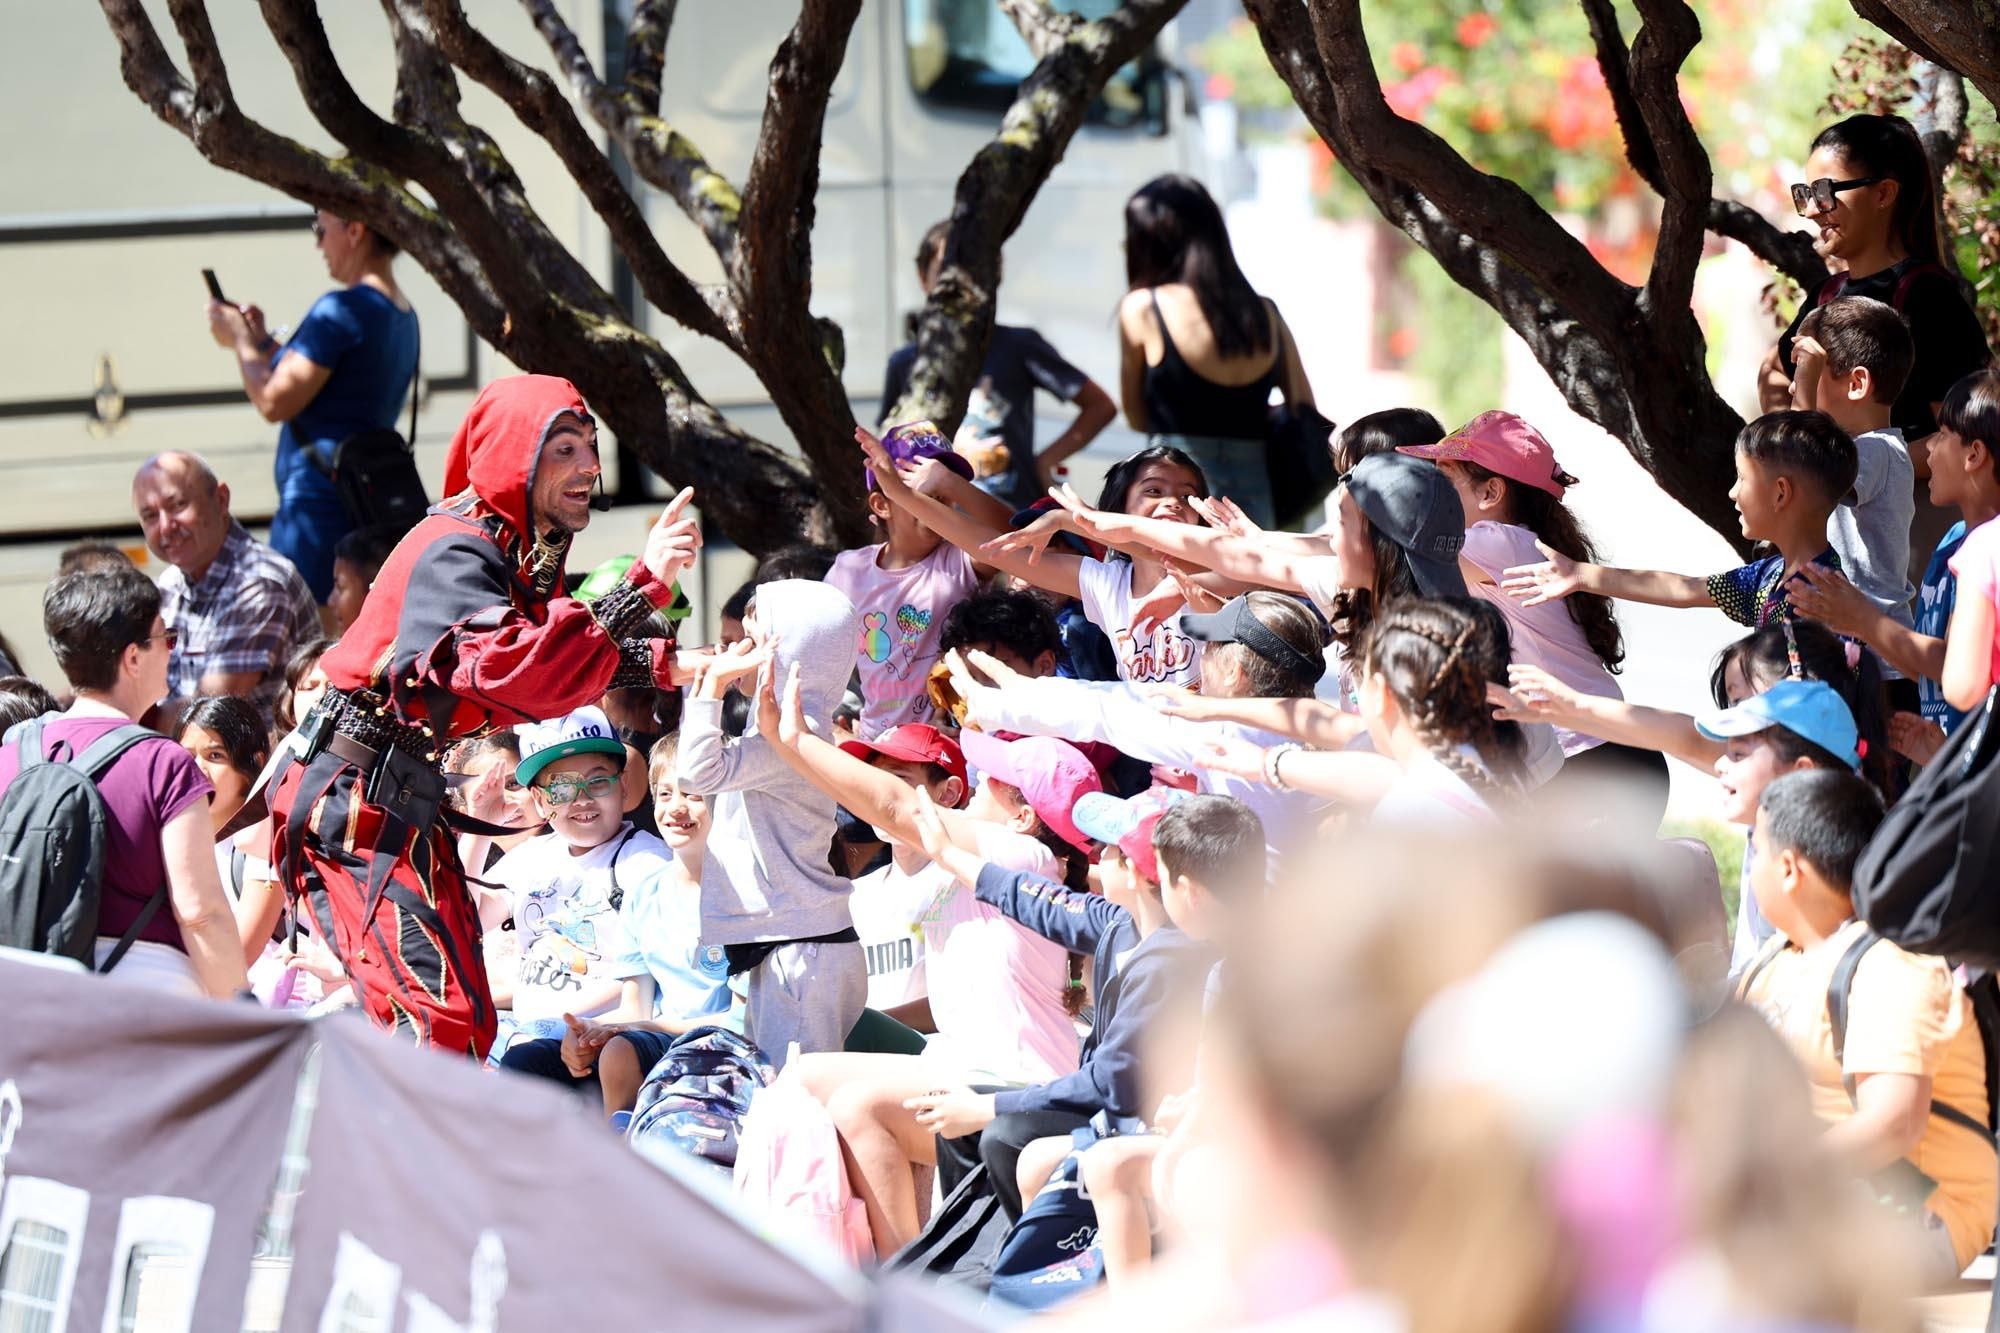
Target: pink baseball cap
{"points": [[1504, 445], [1050, 774]]}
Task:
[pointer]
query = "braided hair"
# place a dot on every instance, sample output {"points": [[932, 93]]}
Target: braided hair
{"points": [[1437, 658]]}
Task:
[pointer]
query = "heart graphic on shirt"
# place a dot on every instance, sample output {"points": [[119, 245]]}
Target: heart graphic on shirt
{"points": [[912, 622], [875, 641]]}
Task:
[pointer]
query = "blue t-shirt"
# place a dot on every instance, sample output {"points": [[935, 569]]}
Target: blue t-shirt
{"points": [[663, 933], [1936, 596], [370, 346]]}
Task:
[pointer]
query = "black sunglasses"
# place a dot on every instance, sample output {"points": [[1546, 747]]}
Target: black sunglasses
{"points": [[1818, 197]]}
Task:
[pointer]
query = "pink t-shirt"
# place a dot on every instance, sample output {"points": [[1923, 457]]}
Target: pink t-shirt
{"points": [[1977, 566], [902, 614], [150, 784], [996, 987], [1546, 636]]}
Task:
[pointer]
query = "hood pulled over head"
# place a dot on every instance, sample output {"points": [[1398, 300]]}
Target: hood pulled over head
{"points": [[499, 446], [817, 629]]}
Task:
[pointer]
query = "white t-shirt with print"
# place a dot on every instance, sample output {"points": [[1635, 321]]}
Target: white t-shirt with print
{"points": [[1164, 656], [570, 936], [886, 904]]}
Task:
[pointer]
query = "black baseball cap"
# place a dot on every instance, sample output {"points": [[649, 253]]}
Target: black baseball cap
{"points": [[1237, 623], [1412, 502]]}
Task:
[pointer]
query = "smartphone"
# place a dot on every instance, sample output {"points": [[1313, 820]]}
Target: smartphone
{"points": [[214, 287]]}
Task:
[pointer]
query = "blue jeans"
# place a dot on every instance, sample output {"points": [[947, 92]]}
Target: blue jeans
{"points": [[304, 531], [1234, 468]]}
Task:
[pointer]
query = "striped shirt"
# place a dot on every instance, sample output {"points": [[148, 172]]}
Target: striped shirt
{"points": [[248, 613]]}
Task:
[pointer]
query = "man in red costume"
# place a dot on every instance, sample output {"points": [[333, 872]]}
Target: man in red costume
{"points": [[464, 630]]}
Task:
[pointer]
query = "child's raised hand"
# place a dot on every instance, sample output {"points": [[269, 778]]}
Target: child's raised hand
{"points": [[1222, 513], [769, 723], [1531, 585], [927, 476], [1536, 696], [733, 663], [1234, 756], [991, 667], [931, 832], [792, 712], [888, 477], [1827, 596], [1033, 539], [1915, 737], [1168, 597]]}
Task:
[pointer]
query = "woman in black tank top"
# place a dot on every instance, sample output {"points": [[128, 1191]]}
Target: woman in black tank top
{"points": [[1174, 235]]}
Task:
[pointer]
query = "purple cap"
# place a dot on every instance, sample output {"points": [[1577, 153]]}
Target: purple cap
{"points": [[915, 441]]}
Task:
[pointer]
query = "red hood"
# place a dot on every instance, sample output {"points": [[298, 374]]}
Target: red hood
{"points": [[499, 444]]}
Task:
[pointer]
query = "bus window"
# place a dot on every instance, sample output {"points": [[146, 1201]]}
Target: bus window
{"points": [[966, 54]]}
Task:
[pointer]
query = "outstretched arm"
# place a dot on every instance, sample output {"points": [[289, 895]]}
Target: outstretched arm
{"points": [[1538, 696], [1310, 721], [1826, 595], [1558, 576], [1255, 561]]}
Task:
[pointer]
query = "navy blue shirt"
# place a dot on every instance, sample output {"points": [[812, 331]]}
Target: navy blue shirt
{"points": [[370, 346], [1932, 615]]}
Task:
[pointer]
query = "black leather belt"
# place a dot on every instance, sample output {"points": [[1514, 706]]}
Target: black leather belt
{"points": [[363, 729]]}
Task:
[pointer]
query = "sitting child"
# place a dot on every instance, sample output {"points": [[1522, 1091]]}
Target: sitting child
{"points": [[1792, 469], [566, 884], [1148, 959], [1899, 1078], [673, 982]]}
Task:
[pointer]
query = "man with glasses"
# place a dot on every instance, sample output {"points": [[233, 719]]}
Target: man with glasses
{"points": [[236, 607]]}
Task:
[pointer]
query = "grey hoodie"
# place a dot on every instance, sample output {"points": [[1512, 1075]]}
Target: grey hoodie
{"points": [[765, 876]]}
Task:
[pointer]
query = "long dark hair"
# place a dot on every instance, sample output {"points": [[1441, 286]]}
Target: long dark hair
{"points": [[1550, 520], [236, 724], [1174, 233], [1118, 481], [1383, 432], [1355, 609], [1888, 146], [1437, 659]]}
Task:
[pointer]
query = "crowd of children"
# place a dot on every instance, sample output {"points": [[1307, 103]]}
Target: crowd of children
{"points": [[1008, 838]]}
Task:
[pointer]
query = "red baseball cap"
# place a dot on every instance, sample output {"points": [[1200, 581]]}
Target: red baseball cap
{"points": [[1050, 774], [1504, 445], [913, 743]]}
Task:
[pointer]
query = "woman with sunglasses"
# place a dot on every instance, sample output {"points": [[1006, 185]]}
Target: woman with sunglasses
{"points": [[1868, 188], [347, 369]]}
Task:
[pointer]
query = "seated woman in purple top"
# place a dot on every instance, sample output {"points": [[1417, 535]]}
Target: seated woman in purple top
{"points": [[112, 646]]}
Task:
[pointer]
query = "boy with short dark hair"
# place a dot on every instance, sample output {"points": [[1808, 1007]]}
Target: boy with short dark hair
{"points": [[1961, 470], [1854, 356], [1900, 1077], [1792, 469], [1013, 625]]}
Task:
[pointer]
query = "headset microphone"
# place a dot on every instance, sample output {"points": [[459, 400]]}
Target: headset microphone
{"points": [[599, 501]]}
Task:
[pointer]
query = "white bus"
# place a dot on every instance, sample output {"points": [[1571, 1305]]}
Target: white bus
{"points": [[107, 218]]}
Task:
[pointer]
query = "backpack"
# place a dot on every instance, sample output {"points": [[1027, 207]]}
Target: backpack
{"points": [[1831, 289], [375, 472], [957, 1245], [790, 1171], [52, 839], [1925, 879], [1051, 1255], [694, 1099]]}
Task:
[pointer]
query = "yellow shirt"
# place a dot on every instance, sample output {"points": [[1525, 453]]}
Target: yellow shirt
{"points": [[1906, 1014]]}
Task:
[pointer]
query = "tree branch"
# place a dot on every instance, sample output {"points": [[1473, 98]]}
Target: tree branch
{"points": [[1668, 32], [661, 155], [540, 105], [1790, 252], [1041, 25], [993, 194], [1616, 62], [774, 257], [646, 51], [1962, 35]]}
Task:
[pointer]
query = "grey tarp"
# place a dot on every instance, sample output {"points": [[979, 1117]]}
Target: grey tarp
{"points": [[432, 1194]]}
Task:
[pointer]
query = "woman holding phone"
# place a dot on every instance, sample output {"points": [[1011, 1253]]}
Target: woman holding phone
{"points": [[347, 369]]}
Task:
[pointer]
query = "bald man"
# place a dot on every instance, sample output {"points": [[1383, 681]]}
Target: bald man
{"points": [[236, 607]]}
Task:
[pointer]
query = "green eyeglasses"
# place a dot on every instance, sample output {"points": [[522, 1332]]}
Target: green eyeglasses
{"points": [[561, 791]]}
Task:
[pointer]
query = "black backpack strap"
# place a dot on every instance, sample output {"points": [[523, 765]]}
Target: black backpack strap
{"points": [[618, 894], [1840, 989], [131, 935], [417, 379], [102, 753]]}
